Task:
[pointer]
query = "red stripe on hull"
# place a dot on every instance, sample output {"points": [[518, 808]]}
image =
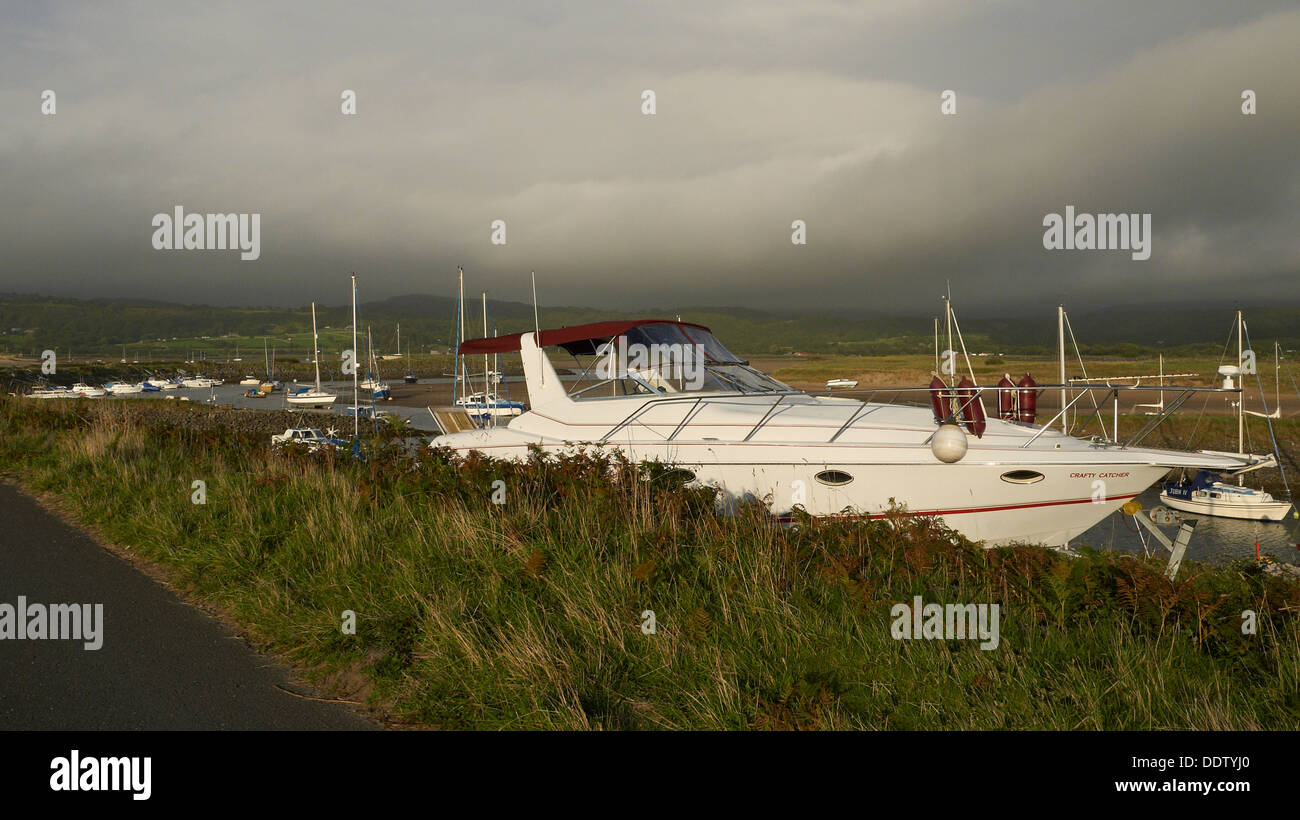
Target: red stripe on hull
{"points": [[785, 518]]}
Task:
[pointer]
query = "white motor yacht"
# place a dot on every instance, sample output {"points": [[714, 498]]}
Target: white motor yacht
{"points": [[52, 393], [87, 391], [750, 436]]}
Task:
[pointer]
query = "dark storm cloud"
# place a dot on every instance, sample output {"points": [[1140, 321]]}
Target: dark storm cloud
{"points": [[821, 111]]}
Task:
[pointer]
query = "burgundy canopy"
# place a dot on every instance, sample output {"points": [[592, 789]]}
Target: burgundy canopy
{"points": [[598, 331]]}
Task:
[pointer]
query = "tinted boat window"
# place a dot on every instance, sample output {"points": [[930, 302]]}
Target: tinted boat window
{"points": [[657, 335], [678, 335], [712, 347]]}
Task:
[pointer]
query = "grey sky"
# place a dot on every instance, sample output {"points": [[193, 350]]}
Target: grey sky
{"points": [[530, 112]]}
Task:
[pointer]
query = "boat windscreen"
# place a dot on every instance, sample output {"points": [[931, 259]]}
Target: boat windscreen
{"points": [[675, 335]]}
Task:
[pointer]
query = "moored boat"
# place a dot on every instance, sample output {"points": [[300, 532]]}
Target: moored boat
{"points": [[489, 405], [996, 480], [308, 396], [1205, 493]]}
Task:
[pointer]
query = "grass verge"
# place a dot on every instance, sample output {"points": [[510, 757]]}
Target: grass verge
{"points": [[529, 614]]}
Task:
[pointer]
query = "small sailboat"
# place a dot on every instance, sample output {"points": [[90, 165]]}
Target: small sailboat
{"points": [[378, 388], [409, 378], [268, 385], [306, 395], [484, 406], [1205, 493]]}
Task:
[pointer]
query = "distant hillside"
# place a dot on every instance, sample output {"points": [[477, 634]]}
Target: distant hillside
{"points": [[33, 323]]}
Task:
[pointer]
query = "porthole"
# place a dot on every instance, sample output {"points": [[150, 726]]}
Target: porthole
{"points": [[675, 475], [1022, 477], [833, 478]]}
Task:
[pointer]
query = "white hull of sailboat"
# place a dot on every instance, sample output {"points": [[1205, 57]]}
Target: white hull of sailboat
{"points": [[1262, 511], [313, 399]]}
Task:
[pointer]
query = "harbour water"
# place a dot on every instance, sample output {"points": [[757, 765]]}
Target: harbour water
{"points": [[1216, 540]]}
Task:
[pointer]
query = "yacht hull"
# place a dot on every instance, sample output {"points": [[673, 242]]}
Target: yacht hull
{"points": [[971, 497]]}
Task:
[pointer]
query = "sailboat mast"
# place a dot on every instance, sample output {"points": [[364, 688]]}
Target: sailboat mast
{"points": [[455, 362], [356, 404], [947, 313], [1277, 381], [464, 370], [1162, 382], [537, 330], [936, 344], [315, 346], [486, 374], [1241, 404], [1060, 347]]}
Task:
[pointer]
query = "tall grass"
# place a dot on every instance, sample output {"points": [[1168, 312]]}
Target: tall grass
{"points": [[529, 614]]}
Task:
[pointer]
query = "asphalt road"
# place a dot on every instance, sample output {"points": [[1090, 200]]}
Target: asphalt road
{"points": [[163, 664]]}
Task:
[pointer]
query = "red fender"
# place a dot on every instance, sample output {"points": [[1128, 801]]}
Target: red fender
{"points": [[1028, 399], [972, 409], [1006, 400], [937, 401]]}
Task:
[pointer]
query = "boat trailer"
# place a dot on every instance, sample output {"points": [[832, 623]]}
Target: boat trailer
{"points": [[1162, 515]]}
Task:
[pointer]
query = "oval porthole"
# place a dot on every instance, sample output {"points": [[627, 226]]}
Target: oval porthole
{"points": [[676, 475], [1022, 477], [833, 478]]}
